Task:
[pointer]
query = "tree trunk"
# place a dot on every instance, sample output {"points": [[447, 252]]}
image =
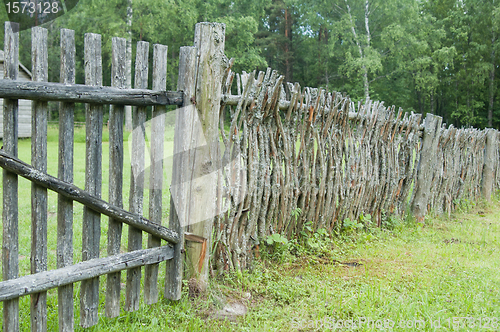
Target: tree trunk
{"points": [[368, 39], [366, 84], [128, 109], [288, 46], [432, 102], [492, 81]]}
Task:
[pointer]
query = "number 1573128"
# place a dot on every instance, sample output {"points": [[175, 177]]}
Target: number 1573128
{"points": [[29, 7]]}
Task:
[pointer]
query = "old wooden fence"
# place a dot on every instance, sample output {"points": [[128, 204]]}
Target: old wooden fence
{"points": [[309, 156], [289, 157], [95, 95]]}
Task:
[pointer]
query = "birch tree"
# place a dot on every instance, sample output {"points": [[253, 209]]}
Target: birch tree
{"points": [[128, 108]]}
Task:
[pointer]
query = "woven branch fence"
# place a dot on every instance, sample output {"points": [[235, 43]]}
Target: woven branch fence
{"points": [[317, 151]]}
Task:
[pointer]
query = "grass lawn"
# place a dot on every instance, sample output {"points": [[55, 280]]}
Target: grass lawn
{"points": [[409, 277], [443, 276]]}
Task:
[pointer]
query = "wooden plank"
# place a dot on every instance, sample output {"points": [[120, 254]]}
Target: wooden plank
{"points": [[65, 173], [116, 118], [426, 166], [137, 175], [39, 61], [89, 299], [490, 163], [209, 39], [10, 237], [78, 93], [77, 194], [180, 170], [156, 169], [93, 268]]}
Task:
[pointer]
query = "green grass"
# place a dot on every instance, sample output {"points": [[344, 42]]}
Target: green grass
{"points": [[410, 274], [415, 277]]}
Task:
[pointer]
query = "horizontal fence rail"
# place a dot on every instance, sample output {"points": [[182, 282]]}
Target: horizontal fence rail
{"points": [[78, 93], [46, 280], [69, 190], [284, 105]]}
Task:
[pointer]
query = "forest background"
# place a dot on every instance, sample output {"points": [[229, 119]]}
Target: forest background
{"points": [[438, 56]]}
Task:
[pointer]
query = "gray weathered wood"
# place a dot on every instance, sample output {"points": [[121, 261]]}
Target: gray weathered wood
{"points": [[65, 173], [284, 105], [490, 163], [116, 118], [133, 291], [91, 226], [181, 168], [82, 196], [209, 40], [425, 166], [44, 281], [39, 61], [10, 237], [78, 93], [156, 169]]}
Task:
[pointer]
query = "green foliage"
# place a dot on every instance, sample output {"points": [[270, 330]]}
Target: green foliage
{"points": [[390, 221], [276, 240], [351, 226], [463, 205]]}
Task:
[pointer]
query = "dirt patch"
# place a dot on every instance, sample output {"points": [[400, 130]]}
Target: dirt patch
{"points": [[231, 311]]}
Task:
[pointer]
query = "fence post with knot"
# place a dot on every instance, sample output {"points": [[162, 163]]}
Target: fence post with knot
{"points": [[196, 164], [490, 160], [425, 167]]}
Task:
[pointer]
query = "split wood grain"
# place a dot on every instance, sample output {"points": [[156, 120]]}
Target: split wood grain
{"points": [[39, 61], [10, 212], [65, 173]]}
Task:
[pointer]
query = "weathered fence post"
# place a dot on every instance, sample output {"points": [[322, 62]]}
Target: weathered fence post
{"points": [[156, 168], [39, 60], [10, 238], [179, 199], [137, 175], [201, 187], [425, 166], [116, 117], [490, 159], [91, 225], [65, 173]]}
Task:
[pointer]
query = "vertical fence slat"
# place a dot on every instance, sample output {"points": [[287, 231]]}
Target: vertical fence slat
{"points": [[156, 168], [65, 173], [39, 60], [116, 118], [180, 169], [89, 299], [489, 163], [426, 165], [10, 238], [137, 176]]}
